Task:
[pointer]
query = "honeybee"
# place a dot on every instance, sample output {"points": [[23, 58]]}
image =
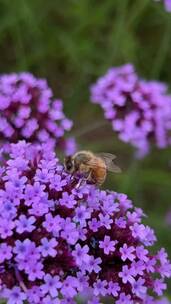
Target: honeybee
{"points": [[92, 166]]}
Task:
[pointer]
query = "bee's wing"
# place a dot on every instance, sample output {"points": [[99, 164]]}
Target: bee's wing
{"points": [[109, 162], [104, 155], [92, 163]]}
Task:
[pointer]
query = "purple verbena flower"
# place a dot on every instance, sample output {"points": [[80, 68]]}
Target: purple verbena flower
{"points": [[25, 224], [139, 289], [93, 265], [113, 289], [100, 288], [47, 247], [107, 245], [51, 286], [139, 110], [59, 240], [81, 254], [127, 253], [69, 287], [35, 271], [127, 275], [29, 111], [94, 224]]}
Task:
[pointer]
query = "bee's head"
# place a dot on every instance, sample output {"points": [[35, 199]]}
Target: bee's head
{"points": [[69, 164]]}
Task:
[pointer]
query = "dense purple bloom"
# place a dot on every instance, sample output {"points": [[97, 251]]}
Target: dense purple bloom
{"points": [[139, 110], [51, 251], [29, 111]]}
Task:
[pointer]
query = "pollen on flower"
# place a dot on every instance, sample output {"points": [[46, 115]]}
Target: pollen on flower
{"points": [[29, 111], [58, 240], [139, 110]]}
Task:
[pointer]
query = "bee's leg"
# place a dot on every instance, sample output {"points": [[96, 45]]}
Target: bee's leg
{"points": [[93, 179], [81, 182], [72, 175], [84, 179], [89, 176], [78, 185]]}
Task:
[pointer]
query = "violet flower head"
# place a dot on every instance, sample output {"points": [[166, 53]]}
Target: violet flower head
{"points": [[139, 110], [29, 111], [51, 251]]}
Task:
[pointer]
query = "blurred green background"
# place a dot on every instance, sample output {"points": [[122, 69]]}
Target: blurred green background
{"points": [[71, 43]]}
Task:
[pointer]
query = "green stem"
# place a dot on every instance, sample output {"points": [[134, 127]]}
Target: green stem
{"points": [[163, 48], [137, 10]]}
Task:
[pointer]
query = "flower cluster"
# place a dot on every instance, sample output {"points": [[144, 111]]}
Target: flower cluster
{"points": [[167, 4], [28, 111], [60, 236], [140, 111]]}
